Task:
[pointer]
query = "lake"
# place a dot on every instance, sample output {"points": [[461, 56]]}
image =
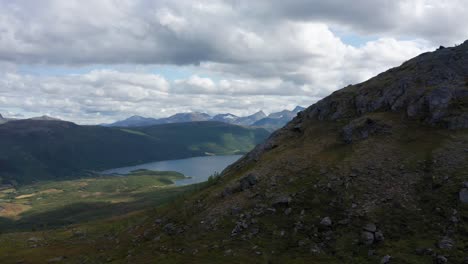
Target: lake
{"points": [[198, 168]]}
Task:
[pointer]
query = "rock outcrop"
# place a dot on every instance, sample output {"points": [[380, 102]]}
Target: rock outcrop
{"points": [[432, 87]]}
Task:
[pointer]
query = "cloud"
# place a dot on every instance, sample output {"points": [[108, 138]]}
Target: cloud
{"points": [[187, 32], [440, 22], [103, 95], [243, 55]]}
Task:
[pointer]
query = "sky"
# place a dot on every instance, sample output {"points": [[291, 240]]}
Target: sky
{"points": [[97, 61]]}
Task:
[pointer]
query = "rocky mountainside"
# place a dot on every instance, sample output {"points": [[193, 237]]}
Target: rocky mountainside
{"points": [[375, 173], [431, 87]]}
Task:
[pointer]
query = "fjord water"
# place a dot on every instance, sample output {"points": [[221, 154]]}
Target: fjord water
{"points": [[198, 168]]}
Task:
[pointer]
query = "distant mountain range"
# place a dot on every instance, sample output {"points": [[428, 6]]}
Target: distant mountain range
{"points": [[45, 118], [140, 121], [4, 120], [271, 122]]}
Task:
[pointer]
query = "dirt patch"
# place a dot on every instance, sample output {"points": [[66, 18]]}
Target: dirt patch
{"points": [[26, 196], [11, 190], [82, 184], [13, 210], [48, 191]]}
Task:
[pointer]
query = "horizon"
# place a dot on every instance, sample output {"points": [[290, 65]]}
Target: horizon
{"points": [[97, 62], [128, 117]]}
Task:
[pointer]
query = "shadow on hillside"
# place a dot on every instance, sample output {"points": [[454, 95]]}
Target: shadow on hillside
{"points": [[83, 212]]}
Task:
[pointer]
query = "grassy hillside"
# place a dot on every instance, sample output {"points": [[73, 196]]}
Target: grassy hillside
{"points": [[51, 204], [37, 150]]}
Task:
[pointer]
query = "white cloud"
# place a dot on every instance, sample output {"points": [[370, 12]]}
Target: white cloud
{"points": [[244, 55]]}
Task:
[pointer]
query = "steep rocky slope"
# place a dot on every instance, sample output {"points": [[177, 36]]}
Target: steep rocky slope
{"points": [[375, 171]]}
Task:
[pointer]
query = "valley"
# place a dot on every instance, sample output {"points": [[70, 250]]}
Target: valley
{"points": [[50, 204], [173, 132], [36, 150]]}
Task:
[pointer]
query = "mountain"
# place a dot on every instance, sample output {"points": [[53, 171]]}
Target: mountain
{"points": [[376, 172], [186, 117], [42, 149], [298, 109], [45, 118], [277, 120], [2, 119], [249, 120], [135, 121], [226, 118], [139, 121], [259, 119]]}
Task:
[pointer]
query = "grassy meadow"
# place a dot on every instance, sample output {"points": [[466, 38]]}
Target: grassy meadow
{"points": [[56, 203]]}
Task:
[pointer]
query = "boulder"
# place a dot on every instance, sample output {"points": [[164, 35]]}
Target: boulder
{"points": [[56, 259], [363, 128], [281, 201], [378, 236], [34, 239], [247, 182], [367, 238], [326, 221], [463, 195], [441, 259], [386, 259], [370, 227], [169, 229], [446, 243]]}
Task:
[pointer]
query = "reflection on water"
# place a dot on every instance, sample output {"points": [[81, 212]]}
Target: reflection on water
{"points": [[198, 168]]}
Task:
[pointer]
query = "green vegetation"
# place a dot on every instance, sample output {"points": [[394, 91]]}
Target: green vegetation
{"points": [[56, 203], [32, 150]]}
